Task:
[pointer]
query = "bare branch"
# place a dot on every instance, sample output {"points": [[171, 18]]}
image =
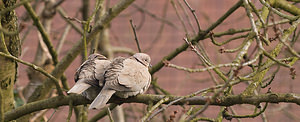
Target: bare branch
{"points": [[43, 32], [197, 100], [195, 16], [135, 36], [53, 79]]}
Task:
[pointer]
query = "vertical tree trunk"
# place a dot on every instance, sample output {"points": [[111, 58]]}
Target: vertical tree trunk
{"points": [[9, 44]]}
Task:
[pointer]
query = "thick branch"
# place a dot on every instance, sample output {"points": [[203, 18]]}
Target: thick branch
{"points": [[146, 98], [43, 32], [37, 68], [286, 6]]}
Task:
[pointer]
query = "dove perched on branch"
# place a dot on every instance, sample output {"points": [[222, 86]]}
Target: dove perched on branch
{"points": [[89, 77], [124, 77]]}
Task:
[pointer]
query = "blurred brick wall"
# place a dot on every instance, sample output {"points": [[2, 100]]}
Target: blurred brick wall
{"points": [[174, 81]]}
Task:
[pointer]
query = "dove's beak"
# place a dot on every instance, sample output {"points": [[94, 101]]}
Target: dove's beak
{"points": [[150, 66]]}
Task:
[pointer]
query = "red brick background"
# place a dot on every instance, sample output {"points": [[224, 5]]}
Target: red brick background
{"points": [[174, 81]]}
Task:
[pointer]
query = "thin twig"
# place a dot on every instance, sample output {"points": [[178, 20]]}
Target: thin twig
{"points": [[87, 27], [210, 67], [110, 115], [240, 47], [208, 102], [200, 47], [179, 17], [57, 4], [263, 24], [62, 39], [102, 113], [195, 16], [255, 30], [70, 110], [275, 60], [196, 38], [225, 114], [147, 117], [203, 119], [163, 20], [63, 14], [51, 115], [161, 28], [38, 115], [294, 52], [186, 16], [192, 95], [135, 36], [234, 113], [212, 37], [236, 31], [207, 62], [154, 84], [271, 77]]}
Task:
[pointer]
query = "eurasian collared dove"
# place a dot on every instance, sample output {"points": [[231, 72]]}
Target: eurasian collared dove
{"points": [[124, 77], [89, 77]]}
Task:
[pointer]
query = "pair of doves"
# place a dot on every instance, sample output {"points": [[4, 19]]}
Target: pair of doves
{"points": [[123, 77]]}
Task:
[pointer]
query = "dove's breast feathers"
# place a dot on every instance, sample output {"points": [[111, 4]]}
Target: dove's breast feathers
{"points": [[127, 76], [134, 75]]}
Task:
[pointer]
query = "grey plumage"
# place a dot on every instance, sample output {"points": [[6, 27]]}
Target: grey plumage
{"points": [[124, 77], [89, 77]]}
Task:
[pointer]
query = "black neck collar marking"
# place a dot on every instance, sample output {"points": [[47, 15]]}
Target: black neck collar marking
{"points": [[140, 61]]}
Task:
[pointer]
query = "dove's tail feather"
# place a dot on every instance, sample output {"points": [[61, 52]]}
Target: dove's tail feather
{"points": [[78, 88], [102, 98]]}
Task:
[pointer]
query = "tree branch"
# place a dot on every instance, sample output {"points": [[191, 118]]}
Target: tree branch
{"points": [[43, 32], [37, 68], [198, 37], [286, 6], [58, 101]]}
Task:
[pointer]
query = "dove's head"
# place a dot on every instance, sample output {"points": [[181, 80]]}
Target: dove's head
{"points": [[143, 59], [97, 56]]}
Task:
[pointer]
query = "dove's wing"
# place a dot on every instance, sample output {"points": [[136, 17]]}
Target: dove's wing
{"points": [[90, 88], [88, 73], [84, 77], [125, 77], [112, 73], [111, 83], [77, 75]]}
